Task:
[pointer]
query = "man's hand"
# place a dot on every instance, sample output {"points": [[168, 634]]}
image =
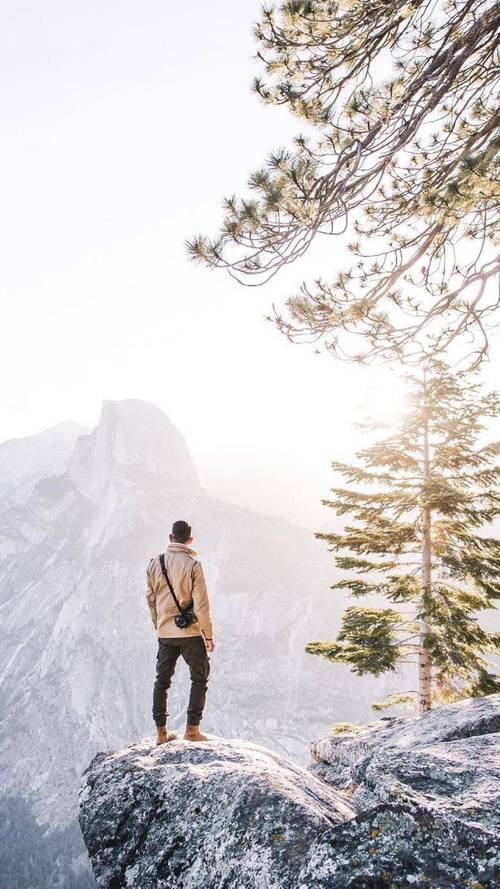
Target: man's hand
{"points": [[209, 644]]}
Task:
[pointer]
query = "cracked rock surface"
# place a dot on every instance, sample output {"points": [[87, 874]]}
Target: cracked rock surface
{"points": [[419, 807], [449, 760]]}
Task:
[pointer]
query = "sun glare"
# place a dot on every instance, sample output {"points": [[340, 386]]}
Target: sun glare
{"points": [[384, 399]]}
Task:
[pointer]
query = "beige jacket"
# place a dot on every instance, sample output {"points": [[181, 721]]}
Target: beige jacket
{"points": [[188, 581]]}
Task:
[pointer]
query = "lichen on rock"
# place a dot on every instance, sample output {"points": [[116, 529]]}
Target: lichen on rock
{"points": [[419, 808]]}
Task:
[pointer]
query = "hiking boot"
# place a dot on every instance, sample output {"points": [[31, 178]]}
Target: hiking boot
{"points": [[193, 733], [163, 735]]}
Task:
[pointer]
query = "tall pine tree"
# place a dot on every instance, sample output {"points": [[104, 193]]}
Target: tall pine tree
{"points": [[420, 502]]}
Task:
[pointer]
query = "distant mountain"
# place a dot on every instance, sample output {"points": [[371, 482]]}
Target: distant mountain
{"points": [[24, 461], [83, 512]]}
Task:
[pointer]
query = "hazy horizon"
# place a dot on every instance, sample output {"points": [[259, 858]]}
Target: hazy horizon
{"points": [[235, 480]]}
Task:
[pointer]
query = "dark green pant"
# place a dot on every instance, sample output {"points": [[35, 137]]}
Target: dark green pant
{"points": [[192, 649]]}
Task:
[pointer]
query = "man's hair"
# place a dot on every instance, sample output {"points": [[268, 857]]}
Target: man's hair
{"points": [[181, 531]]}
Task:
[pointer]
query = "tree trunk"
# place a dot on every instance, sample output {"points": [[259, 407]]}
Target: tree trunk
{"points": [[424, 663]]}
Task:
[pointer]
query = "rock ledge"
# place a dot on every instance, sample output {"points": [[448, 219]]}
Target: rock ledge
{"points": [[233, 815]]}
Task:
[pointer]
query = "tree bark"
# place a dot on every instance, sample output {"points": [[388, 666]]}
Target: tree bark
{"points": [[424, 662]]}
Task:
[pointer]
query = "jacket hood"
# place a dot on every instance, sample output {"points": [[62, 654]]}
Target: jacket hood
{"points": [[182, 548]]}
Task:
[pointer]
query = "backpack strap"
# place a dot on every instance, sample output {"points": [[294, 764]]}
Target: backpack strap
{"points": [[165, 574]]}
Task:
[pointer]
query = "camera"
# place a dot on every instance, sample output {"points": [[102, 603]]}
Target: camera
{"points": [[185, 619]]}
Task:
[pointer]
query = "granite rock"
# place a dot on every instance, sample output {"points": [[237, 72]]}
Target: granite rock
{"points": [[416, 805]]}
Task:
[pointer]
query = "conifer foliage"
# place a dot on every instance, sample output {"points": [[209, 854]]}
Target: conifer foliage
{"points": [[401, 149], [419, 505]]}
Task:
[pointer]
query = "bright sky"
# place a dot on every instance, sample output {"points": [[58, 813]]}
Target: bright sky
{"points": [[124, 124]]}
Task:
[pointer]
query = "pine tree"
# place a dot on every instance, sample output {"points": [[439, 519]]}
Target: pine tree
{"points": [[420, 502], [401, 148]]}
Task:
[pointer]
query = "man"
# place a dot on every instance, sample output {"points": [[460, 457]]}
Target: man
{"points": [[181, 577]]}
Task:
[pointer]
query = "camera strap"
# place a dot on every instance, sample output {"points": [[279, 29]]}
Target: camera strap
{"points": [[167, 578]]}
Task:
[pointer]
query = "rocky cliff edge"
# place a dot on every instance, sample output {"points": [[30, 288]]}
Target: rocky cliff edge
{"points": [[399, 803]]}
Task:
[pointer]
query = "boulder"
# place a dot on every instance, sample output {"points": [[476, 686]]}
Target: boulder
{"points": [[217, 813], [419, 807], [450, 759]]}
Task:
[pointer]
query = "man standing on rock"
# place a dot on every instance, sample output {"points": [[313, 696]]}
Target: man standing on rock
{"points": [[178, 601]]}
